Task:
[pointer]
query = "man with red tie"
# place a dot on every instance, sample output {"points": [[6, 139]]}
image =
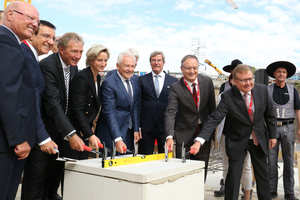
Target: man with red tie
{"points": [[191, 100], [251, 127]]}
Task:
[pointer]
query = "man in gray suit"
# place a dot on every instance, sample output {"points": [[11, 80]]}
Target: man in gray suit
{"points": [[191, 100], [251, 127]]}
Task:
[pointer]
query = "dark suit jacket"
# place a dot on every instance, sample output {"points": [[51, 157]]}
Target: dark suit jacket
{"points": [[17, 96], [181, 103], [116, 109], [54, 98], [39, 86], [152, 109], [239, 125], [84, 103]]}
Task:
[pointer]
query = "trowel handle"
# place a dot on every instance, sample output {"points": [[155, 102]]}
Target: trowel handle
{"points": [[100, 145], [86, 148], [192, 151]]}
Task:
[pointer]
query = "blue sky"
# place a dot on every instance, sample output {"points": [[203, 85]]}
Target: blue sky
{"points": [[258, 32]]}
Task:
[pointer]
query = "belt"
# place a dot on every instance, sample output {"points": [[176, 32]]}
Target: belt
{"points": [[283, 123]]}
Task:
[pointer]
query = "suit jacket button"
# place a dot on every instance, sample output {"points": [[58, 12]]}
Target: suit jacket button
{"points": [[86, 113], [89, 104], [92, 96]]}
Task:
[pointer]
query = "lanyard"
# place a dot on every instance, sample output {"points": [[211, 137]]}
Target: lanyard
{"points": [[198, 93], [250, 106]]}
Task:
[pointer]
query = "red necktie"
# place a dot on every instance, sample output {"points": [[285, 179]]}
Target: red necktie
{"points": [[195, 93], [255, 140]]}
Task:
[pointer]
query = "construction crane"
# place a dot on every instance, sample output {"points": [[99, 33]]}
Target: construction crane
{"points": [[9, 1], [209, 63], [232, 4]]}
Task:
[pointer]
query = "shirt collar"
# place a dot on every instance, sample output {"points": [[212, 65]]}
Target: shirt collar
{"points": [[161, 74], [33, 51], [62, 62], [18, 39], [121, 77], [243, 93], [191, 83]]}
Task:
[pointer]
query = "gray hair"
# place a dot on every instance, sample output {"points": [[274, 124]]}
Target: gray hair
{"points": [[240, 68], [154, 53], [124, 54], [188, 56], [67, 37], [134, 52], [94, 51]]}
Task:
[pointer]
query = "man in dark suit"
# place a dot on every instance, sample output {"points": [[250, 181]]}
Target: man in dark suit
{"points": [[40, 43], [58, 69], [251, 126], [17, 100], [191, 100], [154, 91], [118, 121]]}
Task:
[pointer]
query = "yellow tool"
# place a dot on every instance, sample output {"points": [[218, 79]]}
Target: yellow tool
{"points": [[133, 160]]}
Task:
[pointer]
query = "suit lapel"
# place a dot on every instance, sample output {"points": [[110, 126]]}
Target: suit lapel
{"points": [[188, 94], [122, 88], [151, 84], [92, 84], [240, 102]]}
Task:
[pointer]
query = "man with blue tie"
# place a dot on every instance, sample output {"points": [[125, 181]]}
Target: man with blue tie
{"points": [[154, 91], [118, 121]]}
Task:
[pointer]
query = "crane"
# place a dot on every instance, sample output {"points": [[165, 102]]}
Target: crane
{"points": [[9, 1], [208, 62], [232, 4]]}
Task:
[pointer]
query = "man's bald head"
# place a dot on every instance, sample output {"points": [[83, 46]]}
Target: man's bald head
{"points": [[22, 18]]}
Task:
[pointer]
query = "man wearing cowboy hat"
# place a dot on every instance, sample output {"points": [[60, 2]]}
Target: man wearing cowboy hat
{"points": [[287, 106]]}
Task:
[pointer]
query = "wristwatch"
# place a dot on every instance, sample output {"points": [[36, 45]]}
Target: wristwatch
{"points": [[68, 137]]}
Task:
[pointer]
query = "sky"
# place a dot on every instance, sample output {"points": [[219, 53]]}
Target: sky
{"points": [[257, 32]]}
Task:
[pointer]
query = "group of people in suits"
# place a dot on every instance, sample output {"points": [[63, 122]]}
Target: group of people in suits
{"points": [[50, 106]]}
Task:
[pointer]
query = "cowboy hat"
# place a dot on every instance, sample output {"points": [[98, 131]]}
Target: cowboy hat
{"points": [[234, 63], [290, 68]]}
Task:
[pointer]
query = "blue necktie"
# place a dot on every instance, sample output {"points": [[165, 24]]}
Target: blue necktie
{"points": [[156, 85]]}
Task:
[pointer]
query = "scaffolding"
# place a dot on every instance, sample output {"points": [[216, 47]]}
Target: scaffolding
{"points": [[199, 50]]}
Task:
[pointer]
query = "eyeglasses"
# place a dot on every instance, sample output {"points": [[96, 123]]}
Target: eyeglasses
{"points": [[158, 60], [244, 81], [47, 36], [32, 19], [190, 68]]}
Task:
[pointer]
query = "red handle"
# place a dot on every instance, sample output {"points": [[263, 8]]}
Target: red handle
{"points": [[100, 145], [86, 148], [169, 149], [192, 151], [124, 149]]}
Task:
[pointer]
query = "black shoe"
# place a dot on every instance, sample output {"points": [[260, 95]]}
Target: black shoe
{"points": [[274, 195], [219, 193], [54, 197], [290, 197]]}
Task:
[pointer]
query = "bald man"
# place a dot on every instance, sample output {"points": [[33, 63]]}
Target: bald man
{"points": [[17, 99], [1, 16]]}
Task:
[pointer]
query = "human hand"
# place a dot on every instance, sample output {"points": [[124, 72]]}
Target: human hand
{"points": [[137, 136], [121, 146], [49, 147], [94, 141], [22, 150], [196, 146], [170, 144], [76, 143], [272, 143]]}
